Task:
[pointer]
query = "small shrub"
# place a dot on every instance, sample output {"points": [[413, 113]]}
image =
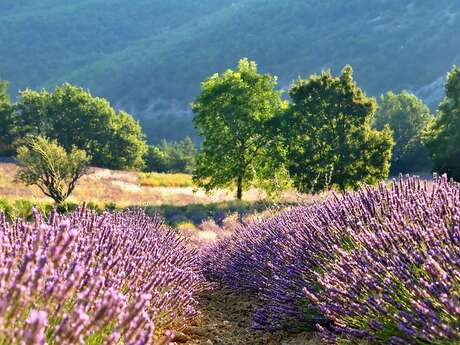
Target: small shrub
{"points": [[47, 208], [22, 209], [6, 207], [110, 206], [67, 207], [94, 206], [47, 165]]}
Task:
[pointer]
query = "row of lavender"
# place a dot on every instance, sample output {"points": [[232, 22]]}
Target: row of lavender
{"points": [[120, 278], [381, 264]]}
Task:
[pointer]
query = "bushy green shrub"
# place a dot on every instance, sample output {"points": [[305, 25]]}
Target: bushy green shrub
{"points": [[22, 208], [6, 207], [66, 207], [111, 206], [46, 164]]}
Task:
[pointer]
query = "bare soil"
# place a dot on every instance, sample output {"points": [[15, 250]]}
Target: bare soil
{"points": [[226, 321]]}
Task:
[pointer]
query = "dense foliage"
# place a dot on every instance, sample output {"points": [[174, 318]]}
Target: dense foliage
{"points": [[75, 118], [233, 115], [143, 54], [171, 157], [46, 164], [6, 119], [443, 136], [120, 278], [327, 130], [380, 264], [407, 116]]}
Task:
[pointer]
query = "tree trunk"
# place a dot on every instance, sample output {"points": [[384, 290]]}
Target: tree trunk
{"points": [[239, 187]]}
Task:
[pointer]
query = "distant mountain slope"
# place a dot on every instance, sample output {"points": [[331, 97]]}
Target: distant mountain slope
{"points": [[149, 56], [47, 39]]}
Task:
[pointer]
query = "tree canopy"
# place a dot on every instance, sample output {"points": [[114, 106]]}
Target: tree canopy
{"points": [[6, 120], [407, 116], [75, 118], [443, 136], [172, 156], [233, 114], [4, 98], [330, 142]]}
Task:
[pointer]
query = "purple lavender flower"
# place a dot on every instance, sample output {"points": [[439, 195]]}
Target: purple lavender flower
{"points": [[381, 264], [112, 277]]}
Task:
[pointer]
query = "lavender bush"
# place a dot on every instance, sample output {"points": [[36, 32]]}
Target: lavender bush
{"points": [[380, 264], [120, 278], [401, 282]]}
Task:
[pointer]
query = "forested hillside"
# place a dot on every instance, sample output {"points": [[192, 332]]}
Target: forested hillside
{"points": [[149, 56]]}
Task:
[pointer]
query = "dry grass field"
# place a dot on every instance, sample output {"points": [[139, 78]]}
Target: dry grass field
{"points": [[103, 186], [172, 196], [122, 188]]}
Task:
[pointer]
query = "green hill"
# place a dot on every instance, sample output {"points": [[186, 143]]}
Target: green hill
{"points": [[149, 56]]}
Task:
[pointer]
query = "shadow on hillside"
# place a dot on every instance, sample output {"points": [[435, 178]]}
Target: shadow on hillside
{"points": [[198, 213], [172, 214]]}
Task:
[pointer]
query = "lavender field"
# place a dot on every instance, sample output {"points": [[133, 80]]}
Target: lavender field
{"points": [[233, 172], [88, 279], [376, 266]]}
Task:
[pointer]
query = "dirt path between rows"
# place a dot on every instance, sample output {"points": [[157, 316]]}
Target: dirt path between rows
{"points": [[226, 321]]}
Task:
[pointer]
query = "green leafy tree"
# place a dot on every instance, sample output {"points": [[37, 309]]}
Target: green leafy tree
{"points": [[4, 98], [7, 122], [443, 135], [75, 118], [126, 146], [407, 116], [329, 138], [46, 164], [33, 114], [233, 115], [172, 156], [157, 158]]}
